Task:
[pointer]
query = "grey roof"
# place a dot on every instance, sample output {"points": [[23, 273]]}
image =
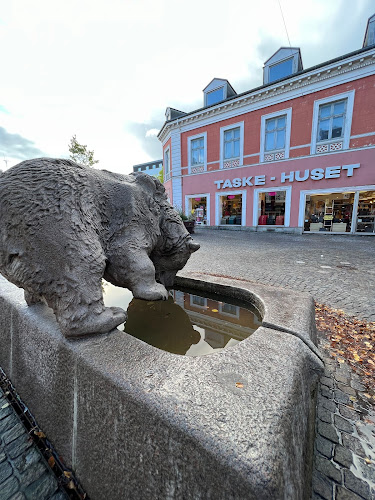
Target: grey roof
{"points": [[256, 89]]}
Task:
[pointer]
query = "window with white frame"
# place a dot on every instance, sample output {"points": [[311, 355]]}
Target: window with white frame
{"points": [[275, 135], [231, 145], [197, 153], [167, 164], [331, 120], [331, 123]]}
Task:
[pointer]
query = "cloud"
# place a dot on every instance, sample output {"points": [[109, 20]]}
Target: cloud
{"points": [[153, 132], [145, 133], [16, 146]]}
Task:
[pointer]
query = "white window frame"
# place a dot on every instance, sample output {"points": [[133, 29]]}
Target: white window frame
{"points": [[167, 174], [235, 315], [239, 125], [283, 112], [218, 215], [288, 204], [349, 96], [192, 304], [204, 195], [189, 141]]}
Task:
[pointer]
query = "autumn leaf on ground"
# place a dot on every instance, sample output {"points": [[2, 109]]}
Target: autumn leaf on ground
{"points": [[350, 340]]}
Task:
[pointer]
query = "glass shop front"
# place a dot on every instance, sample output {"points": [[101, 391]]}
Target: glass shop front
{"points": [[271, 208], [346, 212], [231, 209], [198, 208]]}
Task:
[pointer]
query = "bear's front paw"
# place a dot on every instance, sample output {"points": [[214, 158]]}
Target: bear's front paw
{"points": [[153, 292]]}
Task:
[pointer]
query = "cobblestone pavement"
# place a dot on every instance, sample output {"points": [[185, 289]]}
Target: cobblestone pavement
{"points": [[24, 474], [338, 271]]}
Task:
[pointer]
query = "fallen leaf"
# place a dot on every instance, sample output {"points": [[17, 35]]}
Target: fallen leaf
{"points": [[214, 310], [368, 461], [67, 474], [51, 462], [40, 434], [239, 385]]}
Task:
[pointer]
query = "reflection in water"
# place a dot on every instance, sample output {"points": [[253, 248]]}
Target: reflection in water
{"points": [[187, 324], [161, 323]]}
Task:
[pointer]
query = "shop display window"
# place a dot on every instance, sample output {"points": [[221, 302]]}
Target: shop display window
{"points": [[329, 212], [272, 208], [198, 209], [366, 212], [231, 209]]}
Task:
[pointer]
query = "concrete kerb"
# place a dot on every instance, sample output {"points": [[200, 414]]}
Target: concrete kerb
{"points": [[137, 422]]}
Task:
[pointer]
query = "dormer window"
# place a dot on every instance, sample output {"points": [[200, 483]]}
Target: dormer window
{"points": [[215, 96], [280, 70], [370, 32], [285, 62], [217, 91]]}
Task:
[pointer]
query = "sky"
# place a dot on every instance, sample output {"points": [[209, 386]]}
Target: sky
{"points": [[107, 71]]}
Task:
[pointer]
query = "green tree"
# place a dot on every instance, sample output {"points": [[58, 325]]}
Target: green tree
{"points": [[80, 154], [160, 176]]}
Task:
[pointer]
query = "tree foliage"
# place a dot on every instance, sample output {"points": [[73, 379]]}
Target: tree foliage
{"points": [[160, 176], [80, 154]]}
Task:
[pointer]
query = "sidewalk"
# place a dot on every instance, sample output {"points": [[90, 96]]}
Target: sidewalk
{"points": [[338, 271]]}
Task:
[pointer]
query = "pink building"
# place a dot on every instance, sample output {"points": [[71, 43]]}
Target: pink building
{"points": [[296, 154]]}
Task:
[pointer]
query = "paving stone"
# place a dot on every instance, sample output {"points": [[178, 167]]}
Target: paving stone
{"points": [[328, 431], [344, 494], [341, 397], [322, 486], [324, 414], [13, 433], [357, 385], [326, 392], [347, 389], [349, 413], [342, 424], [32, 473], [343, 456], [367, 470], [357, 485], [15, 448], [329, 404], [327, 381], [2, 456], [354, 444], [341, 378], [18, 496], [324, 446], [327, 468], [29, 457], [42, 488], [5, 471], [9, 488], [8, 422], [5, 410]]}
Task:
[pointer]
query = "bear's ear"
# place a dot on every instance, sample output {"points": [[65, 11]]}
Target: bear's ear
{"points": [[193, 246]]}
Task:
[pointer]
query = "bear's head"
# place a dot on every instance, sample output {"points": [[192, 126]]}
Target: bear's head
{"points": [[174, 247]]}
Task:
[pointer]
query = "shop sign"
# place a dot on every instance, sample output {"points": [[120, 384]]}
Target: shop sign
{"points": [[316, 174]]}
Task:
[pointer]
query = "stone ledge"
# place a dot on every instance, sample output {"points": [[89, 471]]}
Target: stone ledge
{"points": [[137, 422]]}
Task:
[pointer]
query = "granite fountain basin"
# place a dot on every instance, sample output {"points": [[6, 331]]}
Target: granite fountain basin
{"points": [[135, 421]]}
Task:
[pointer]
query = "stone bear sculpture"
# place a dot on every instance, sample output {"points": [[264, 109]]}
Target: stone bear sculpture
{"points": [[64, 226]]}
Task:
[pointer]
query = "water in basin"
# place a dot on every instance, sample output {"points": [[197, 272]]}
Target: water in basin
{"points": [[188, 323]]}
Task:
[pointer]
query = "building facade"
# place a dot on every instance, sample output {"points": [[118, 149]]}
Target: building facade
{"points": [[152, 167], [296, 154]]}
